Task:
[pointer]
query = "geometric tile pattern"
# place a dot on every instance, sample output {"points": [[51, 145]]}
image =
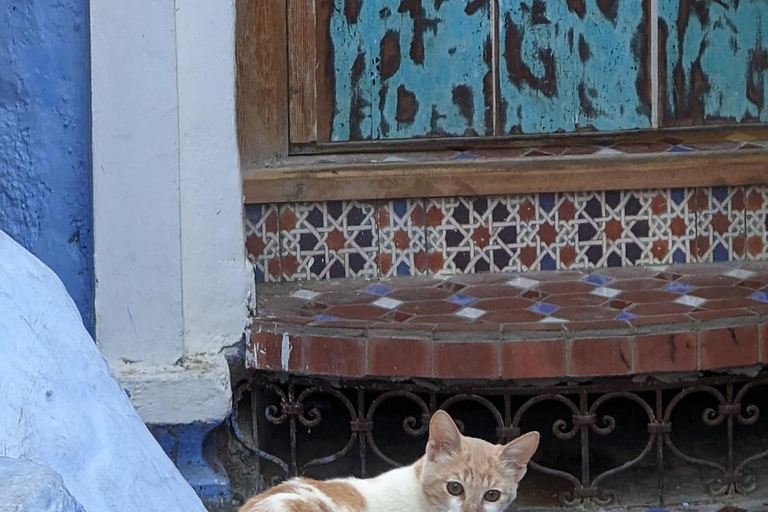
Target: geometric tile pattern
{"points": [[515, 233], [643, 319], [616, 229], [262, 240], [721, 224], [332, 239], [402, 238], [756, 199]]}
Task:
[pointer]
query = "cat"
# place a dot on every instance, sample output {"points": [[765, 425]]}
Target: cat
{"points": [[457, 474]]}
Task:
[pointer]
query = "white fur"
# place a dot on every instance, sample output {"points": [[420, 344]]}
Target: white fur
{"points": [[395, 491]]}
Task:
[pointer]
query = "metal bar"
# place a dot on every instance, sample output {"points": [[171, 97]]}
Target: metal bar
{"points": [[660, 447], [292, 424], [584, 410], [729, 397], [583, 418], [362, 447]]}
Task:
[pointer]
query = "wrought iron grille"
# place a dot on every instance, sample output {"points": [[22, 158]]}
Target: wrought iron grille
{"points": [[289, 422]]}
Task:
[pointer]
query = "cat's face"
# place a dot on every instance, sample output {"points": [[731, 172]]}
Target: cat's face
{"points": [[464, 474]]}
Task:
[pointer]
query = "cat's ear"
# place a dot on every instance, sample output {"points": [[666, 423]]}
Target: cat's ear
{"points": [[518, 453], [444, 436]]}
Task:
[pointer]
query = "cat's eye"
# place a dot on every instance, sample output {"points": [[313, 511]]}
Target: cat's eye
{"points": [[492, 495], [455, 488]]}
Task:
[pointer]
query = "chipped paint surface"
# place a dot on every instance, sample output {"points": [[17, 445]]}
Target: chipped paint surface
{"points": [[425, 68], [713, 60], [406, 68], [573, 65]]}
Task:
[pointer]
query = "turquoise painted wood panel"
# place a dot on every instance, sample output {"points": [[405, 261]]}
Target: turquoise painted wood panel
{"points": [[713, 59], [411, 68], [570, 65]]}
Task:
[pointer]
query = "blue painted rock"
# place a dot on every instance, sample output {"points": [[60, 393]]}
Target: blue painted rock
{"points": [[29, 487]]}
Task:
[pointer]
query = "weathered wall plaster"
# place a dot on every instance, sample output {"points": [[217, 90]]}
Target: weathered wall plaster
{"points": [[45, 163], [172, 276], [136, 184], [216, 276]]}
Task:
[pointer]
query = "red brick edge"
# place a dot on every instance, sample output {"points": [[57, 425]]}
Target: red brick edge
{"points": [[361, 353]]}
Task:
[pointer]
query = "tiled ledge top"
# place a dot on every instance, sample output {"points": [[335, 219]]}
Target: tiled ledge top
{"points": [[688, 158], [654, 144], [618, 321]]}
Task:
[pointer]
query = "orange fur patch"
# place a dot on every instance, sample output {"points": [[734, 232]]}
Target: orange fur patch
{"points": [[341, 494]]}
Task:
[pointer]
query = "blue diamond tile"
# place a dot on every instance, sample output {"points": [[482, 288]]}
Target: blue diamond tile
{"points": [[547, 202], [400, 207], [720, 253], [760, 297], [679, 288], [464, 156], [326, 318], [678, 256], [679, 149], [254, 213], [677, 195], [378, 289], [598, 280], [625, 315], [259, 274], [461, 300], [403, 269], [548, 263], [720, 193], [544, 308]]}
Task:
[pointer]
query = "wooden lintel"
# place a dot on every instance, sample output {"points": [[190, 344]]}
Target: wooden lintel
{"points": [[326, 182]]}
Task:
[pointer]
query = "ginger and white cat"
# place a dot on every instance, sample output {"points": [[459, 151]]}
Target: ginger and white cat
{"points": [[457, 474]]}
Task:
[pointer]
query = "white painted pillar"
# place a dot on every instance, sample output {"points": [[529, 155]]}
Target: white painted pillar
{"points": [[137, 228], [213, 232], [173, 284]]}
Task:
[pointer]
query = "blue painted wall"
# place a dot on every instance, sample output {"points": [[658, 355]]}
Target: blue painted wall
{"points": [[45, 138]]}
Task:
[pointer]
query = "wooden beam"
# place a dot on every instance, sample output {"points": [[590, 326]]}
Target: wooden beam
{"points": [[676, 135], [302, 69], [326, 182], [262, 80], [326, 74]]}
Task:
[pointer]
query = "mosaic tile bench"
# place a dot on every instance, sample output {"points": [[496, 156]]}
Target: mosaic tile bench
{"points": [[608, 322], [536, 285], [642, 289]]}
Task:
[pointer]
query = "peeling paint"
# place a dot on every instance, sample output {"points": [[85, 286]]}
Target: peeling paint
{"points": [[578, 70], [407, 106], [285, 352], [415, 68], [413, 54], [697, 39]]}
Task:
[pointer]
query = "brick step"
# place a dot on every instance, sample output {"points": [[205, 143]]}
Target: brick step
{"points": [[551, 324]]}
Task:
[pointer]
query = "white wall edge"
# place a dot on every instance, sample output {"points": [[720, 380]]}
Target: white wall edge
{"points": [[174, 285]]}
